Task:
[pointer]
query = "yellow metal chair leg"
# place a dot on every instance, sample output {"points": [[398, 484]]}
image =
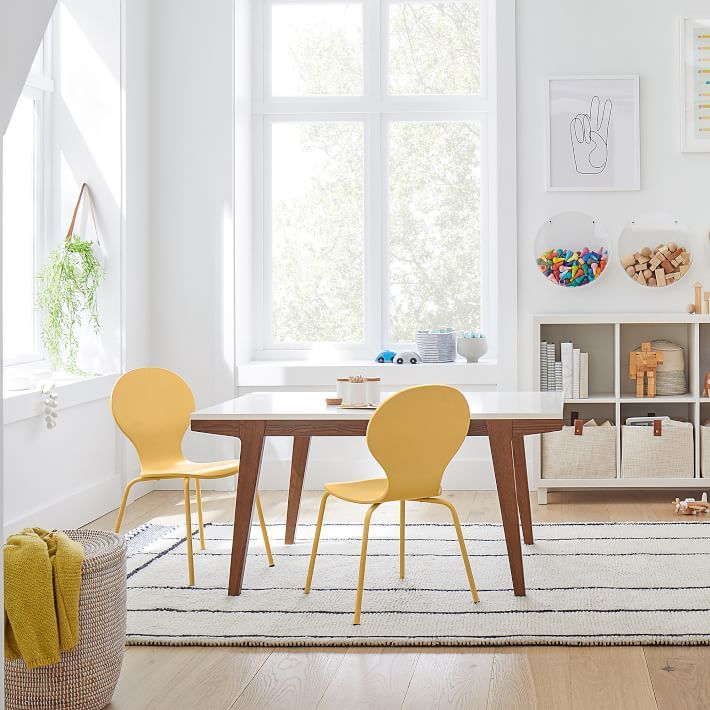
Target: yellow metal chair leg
{"points": [[462, 544], [264, 533], [363, 559], [401, 539], [122, 509], [188, 533], [314, 549], [198, 495]]}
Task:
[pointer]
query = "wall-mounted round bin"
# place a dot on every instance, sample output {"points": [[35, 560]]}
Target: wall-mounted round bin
{"points": [[572, 250], [656, 250]]}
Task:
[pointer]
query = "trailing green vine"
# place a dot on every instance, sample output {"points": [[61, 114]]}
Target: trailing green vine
{"points": [[67, 292]]}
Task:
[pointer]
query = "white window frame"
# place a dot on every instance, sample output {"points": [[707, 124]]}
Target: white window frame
{"points": [[376, 109], [39, 88]]}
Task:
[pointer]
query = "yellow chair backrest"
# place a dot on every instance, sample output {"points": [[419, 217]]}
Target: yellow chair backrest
{"points": [[152, 407], [414, 435]]}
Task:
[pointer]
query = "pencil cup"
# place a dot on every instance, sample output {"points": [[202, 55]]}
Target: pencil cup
{"points": [[357, 393], [372, 390]]}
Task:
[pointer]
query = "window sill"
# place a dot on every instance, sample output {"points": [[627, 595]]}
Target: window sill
{"points": [[314, 374], [26, 404]]}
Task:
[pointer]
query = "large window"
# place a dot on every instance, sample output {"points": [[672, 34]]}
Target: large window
{"points": [[23, 186], [371, 162]]}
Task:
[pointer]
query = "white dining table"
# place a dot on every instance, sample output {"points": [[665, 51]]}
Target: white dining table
{"points": [[504, 417]]}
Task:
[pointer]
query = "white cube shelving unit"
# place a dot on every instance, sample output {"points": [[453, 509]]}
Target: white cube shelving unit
{"points": [[608, 339]]}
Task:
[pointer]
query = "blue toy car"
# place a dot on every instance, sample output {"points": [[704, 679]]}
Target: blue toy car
{"points": [[386, 356]]}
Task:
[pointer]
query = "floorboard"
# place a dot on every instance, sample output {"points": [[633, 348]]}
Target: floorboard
{"points": [[535, 678]]}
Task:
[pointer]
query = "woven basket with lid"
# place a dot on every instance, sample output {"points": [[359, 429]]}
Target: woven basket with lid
{"points": [[86, 676]]}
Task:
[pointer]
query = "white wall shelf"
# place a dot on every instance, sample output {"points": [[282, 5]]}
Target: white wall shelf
{"points": [[608, 338]]}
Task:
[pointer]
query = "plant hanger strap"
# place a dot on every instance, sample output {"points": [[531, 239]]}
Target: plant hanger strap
{"points": [[70, 231]]}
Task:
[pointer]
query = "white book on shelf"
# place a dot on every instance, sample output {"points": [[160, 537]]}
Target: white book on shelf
{"points": [[584, 375], [544, 385], [575, 372], [566, 358], [550, 366], [558, 377]]}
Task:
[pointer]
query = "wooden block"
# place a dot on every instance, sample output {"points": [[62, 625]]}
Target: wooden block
{"points": [[642, 259], [651, 281], [706, 307], [660, 277], [667, 266], [685, 257], [683, 269], [646, 251], [676, 262], [628, 260], [647, 274], [654, 263], [641, 279], [676, 253], [639, 267], [663, 249], [673, 246]]}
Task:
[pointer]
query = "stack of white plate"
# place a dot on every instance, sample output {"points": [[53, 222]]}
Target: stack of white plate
{"points": [[436, 345]]}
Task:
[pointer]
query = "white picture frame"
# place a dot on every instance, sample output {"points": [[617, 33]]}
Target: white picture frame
{"points": [[695, 84], [593, 133]]}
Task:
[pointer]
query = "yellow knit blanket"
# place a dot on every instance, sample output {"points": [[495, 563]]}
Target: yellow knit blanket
{"points": [[42, 582]]}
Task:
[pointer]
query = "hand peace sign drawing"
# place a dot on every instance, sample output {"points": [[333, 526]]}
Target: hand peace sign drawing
{"points": [[590, 138]]}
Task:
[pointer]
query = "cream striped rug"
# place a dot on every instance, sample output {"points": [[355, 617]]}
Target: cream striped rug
{"points": [[588, 584]]}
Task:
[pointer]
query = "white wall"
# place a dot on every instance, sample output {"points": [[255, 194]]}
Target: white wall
{"points": [[632, 37], [192, 234]]}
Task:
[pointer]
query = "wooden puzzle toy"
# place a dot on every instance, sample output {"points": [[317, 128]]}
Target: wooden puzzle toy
{"points": [[642, 366], [690, 506]]}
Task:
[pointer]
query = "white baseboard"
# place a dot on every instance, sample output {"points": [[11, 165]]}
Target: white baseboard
{"points": [[73, 510]]}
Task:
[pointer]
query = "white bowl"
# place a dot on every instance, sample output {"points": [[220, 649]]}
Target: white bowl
{"points": [[472, 348]]}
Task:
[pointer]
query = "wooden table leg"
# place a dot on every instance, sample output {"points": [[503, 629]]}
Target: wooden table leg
{"points": [[500, 436], [299, 457], [252, 438], [522, 489]]}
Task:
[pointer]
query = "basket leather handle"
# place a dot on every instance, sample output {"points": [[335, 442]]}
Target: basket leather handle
{"points": [[657, 427], [578, 427], [70, 231]]}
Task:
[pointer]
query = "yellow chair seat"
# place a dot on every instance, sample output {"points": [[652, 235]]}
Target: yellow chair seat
{"points": [[371, 490], [192, 469], [367, 491]]}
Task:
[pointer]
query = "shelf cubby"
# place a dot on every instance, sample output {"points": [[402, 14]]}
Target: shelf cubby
{"points": [[609, 338]]}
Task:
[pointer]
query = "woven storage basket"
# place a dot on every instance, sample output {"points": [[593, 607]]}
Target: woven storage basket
{"points": [[671, 375], [705, 451], [86, 676], [671, 455], [436, 347], [589, 455]]}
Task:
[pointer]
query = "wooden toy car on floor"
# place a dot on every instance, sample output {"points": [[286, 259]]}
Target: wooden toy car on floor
{"points": [[690, 506], [643, 365]]}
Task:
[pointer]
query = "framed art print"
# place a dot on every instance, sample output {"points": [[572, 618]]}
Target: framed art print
{"points": [[593, 133], [695, 84]]}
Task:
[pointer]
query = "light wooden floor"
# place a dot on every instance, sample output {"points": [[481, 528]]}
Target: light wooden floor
{"points": [[520, 678]]}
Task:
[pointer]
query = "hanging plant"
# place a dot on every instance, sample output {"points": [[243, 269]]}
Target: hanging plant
{"points": [[67, 294]]}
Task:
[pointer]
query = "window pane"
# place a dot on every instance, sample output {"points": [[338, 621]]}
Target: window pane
{"points": [[316, 49], [434, 48], [317, 232], [434, 222], [18, 232]]}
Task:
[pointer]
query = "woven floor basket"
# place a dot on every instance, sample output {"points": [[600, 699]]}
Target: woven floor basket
{"points": [[85, 677], [705, 451]]}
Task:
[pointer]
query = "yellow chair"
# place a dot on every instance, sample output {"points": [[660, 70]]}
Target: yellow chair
{"points": [[413, 435], [152, 407]]}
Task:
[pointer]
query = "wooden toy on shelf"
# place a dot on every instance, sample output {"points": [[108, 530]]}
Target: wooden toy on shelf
{"points": [[706, 384], [643, 365], [701, 300], [690, 506]]}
